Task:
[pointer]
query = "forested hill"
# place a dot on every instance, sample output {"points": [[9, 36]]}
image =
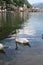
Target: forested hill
{"points": [[17, 2], [21, 3]]}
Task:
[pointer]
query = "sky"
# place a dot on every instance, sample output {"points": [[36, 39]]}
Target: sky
{"points": [[35, 1]]}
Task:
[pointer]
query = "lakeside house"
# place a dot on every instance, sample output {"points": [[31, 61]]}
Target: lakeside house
{"points": [[24, 8]]}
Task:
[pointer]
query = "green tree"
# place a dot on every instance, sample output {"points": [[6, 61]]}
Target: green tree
{"points": [[21, 3], [1, 2], [8, 1], [17, 2]]}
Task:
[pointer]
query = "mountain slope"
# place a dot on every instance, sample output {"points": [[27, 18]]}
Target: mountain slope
{"points": [[38, 5]]}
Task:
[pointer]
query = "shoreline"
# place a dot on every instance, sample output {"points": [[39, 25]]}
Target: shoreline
{"points": [[35, 10], [25, 10]]}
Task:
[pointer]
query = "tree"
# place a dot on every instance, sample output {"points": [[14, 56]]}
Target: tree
{"points": [[21, 3], [1, 2], [8, 1], [17, 2]]}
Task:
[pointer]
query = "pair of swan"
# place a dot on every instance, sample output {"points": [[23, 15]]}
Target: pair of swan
{"points": [[21, 40], [18, 40]]}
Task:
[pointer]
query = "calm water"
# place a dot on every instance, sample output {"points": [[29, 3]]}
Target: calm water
{"points": [[30, 26]]}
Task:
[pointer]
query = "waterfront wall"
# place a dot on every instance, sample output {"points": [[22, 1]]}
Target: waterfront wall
{"points": [[35, 10]]}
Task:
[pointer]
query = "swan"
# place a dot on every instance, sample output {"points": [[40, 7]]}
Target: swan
{"points": [[2, 46], [21, 40]]}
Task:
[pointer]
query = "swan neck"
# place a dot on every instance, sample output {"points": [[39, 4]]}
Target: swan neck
{"points": [[17, 36]]}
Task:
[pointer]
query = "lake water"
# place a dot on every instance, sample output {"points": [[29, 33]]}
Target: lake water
{"points": [[30, 26]]}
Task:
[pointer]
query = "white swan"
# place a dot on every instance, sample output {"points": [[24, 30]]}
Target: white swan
{"points": [[2, 46], [21, 40]]}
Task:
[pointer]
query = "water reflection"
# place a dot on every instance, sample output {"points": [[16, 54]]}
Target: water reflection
{"points": [[9, 22], [30, 28], [42, 36]]}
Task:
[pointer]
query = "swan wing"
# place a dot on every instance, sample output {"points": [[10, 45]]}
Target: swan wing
{"points": [[22, 40], [1, 46]]}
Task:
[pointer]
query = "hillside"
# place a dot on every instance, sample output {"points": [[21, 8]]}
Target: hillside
{"points": [[17, 2]]}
